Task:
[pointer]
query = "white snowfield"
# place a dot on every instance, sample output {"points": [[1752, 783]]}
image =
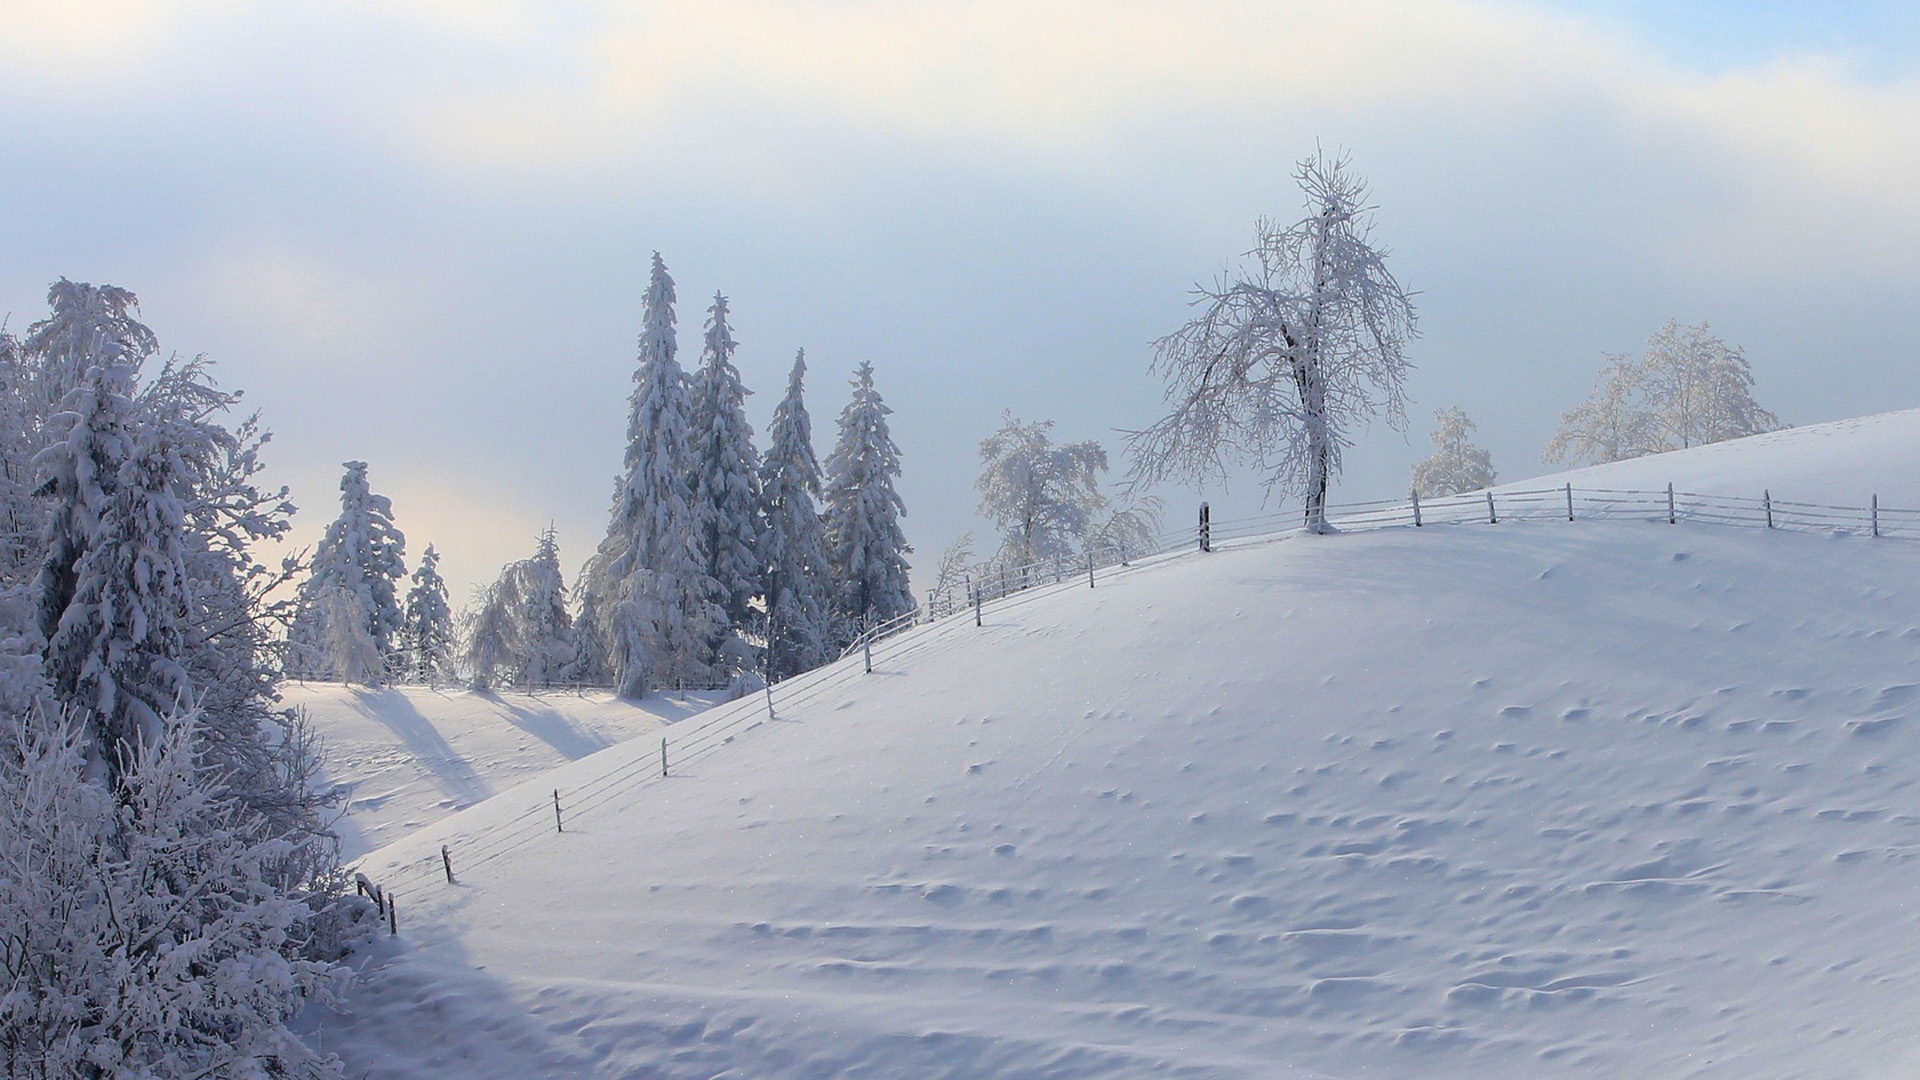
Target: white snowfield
{"points": [[409, 756], [1596, 799]]}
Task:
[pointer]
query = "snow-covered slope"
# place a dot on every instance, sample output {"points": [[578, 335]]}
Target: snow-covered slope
{"points": [[409, 756], [1597, 799]]}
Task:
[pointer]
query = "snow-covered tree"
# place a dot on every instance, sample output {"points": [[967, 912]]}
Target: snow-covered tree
{"points": [[522, 633], [1045, 499], [428, 627], [865, 546], [1687, 389], [350, 615], [653, 611], [726, 489], [1288, 356], [1129, 529], [1456, 464], [794, 545]]}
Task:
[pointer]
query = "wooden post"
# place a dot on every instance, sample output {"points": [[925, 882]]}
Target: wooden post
{"points": [[446, 860], [867, 647], [558, 826], [393, 916], [1056, 568], [976, 605], [1766, 500], [1876, 515], [1089, 568], [1569, 501], [1492, 518], [1415, 492], [1206, 528], [1671, 520], [663, 755]]}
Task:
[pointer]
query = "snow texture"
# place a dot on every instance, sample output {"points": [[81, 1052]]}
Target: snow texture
{"points": [[1597, 799]]}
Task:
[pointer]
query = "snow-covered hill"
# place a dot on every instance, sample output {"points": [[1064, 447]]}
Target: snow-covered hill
{"points": [[410, 756], [1596, 799]]}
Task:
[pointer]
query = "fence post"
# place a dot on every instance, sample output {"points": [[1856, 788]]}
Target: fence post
{"points": [[1206, 528], [393, 914], [770, 715], [558, 825], [446, 860], [976, 605], [1670, 516], [663, 755], [1492, 518], [1766, 499], [1415, 492], [1569, 501], [1089, 568], [1876, 515], [1056, 568], [867, 648]]}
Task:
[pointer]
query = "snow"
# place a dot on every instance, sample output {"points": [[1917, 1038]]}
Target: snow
{"points": [[409, 756], [1596, 799]]}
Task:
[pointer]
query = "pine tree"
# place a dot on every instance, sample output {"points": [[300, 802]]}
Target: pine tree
{"points": [[653, 610], [726, 494], [799, 609], [350, 613], [428, 632], [864, 543], [522, 632]]}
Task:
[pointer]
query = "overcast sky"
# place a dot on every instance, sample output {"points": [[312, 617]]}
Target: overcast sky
{"points": [[417, 232]]}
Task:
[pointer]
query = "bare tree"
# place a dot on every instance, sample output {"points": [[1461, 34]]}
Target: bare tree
{"points": [[1043, 497], [1456, 465], [1288, 355]]}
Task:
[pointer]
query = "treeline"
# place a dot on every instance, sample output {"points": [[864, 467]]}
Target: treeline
{"points": [[721, 565]]}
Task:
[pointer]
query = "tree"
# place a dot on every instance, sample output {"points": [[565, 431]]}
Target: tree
{"points": [[864, 543], [794, 545], [1288, 356], [1045, 499], [1456, 465], [1689, 388], [726, 489], [653, 610], [428, 626], [350, 616], [522, 633]]}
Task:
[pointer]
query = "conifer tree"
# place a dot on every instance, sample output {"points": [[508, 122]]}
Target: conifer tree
{"points": [[726, 493], [428, 632], [523, 634], [350, 615], [654, 611], [793, 546], [864, 543]]}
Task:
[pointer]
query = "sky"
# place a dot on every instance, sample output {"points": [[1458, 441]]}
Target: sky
{"points": [[417, 232]]}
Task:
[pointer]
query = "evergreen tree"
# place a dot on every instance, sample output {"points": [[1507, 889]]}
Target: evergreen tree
{"points": [[428, 632], [522, 634], [654, 611], [864, 543], [726, 495], [799, 607], [350, 613]]}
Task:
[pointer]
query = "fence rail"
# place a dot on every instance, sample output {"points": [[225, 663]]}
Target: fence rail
{"points": [[951, 608]]}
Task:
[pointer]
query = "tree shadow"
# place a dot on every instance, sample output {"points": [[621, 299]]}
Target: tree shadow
{"points": [[451, 773]]}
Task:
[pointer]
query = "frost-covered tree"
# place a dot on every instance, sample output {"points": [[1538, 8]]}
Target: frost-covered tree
{"points": [[350, 615], [865, 546], [794, 544], [1689, 388], [1045, 499], [652, 610], [1288, 356], [428, 627], [726, 489], [1456, 464], [522, 633]]}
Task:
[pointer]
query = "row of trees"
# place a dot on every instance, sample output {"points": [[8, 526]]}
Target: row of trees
{"points": [[719, 564], [168, 893]]}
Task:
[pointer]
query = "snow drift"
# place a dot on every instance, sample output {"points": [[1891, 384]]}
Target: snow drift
{"points": [[1598, 799]]}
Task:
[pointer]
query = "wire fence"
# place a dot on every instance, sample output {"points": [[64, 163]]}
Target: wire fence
{"points": [[1004, 584]]}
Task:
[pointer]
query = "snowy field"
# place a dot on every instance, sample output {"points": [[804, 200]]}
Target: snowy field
{"points": [[1595, 799], [410, 756]]}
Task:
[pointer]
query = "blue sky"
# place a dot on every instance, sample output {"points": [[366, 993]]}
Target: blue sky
{"points": [[417, 231]]}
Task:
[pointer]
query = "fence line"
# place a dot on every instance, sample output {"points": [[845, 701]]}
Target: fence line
{"points": [[1006, 585]]}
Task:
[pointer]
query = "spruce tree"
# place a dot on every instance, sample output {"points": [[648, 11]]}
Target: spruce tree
{"points": [[864, 542], [654, 611], [428, 632], [350, 615], [799, 586], [522, 634], [726, 495]]}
